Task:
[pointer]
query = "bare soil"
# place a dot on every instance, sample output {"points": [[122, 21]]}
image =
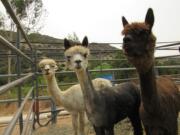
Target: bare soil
{"points": [[63, 125]]}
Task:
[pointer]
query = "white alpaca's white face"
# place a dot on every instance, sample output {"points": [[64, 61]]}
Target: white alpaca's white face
{"points": [[48, 67], [77, 55]]}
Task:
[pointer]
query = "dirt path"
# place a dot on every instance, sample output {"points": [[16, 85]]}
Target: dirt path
{"points": [[64, 127]]}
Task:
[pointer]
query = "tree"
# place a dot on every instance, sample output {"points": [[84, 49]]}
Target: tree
{"points": [[73, 37], [2, 19], [30, 13]]}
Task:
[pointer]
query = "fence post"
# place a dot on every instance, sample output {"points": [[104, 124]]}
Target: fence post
{"points": [[33, 68], [36, 103], [157, 71], [53, 112], [18, 69]]}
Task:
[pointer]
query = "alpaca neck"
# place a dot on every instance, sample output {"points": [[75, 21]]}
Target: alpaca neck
{"points": [[149, 92], [88, 90], [54, 90]]}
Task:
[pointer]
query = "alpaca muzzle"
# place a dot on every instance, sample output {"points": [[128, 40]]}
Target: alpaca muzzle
{"points": [[78, 64], [127, 46], [46, 71]]}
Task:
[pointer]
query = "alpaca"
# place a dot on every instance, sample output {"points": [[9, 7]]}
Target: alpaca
{"points": [[106, 107], [159, 107], [72, 98]]}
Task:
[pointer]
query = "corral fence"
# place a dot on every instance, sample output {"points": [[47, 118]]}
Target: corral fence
{"points": [[30, 76]]}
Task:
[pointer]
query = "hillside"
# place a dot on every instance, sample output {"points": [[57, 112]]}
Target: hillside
{"points": [[44, 41]]}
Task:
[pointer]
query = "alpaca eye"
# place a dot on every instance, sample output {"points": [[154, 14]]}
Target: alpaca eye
{"points": [[68, 58], [85, 55], [53, 66]]}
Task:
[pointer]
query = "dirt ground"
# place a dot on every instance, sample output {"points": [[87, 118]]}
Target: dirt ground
{"points": [[64, 127]]}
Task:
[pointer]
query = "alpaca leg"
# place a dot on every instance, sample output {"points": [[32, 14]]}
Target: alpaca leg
{"points": [[175, 132], [81, 123], [147, 131], [109, 131], [75, 123], [136, 123], [99, 131]]}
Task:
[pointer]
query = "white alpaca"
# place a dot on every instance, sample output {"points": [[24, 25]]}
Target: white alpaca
{"points": [[72, 98]]}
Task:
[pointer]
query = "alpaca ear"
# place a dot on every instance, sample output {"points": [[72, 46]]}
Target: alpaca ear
{"points": [[85, 42], [149, 20], [66, 44], [124, 21]]}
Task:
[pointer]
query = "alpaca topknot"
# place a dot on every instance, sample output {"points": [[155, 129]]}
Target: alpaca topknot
{"points": [[77, 49], [47, 61], [134, 26]]}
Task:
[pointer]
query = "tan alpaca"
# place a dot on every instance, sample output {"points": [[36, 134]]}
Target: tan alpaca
{"points": [[72, 98]]}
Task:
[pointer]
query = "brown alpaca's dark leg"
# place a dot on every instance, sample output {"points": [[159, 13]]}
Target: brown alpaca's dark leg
{"points": [[109, 131], [136, 123], [147, 130], [175, 129], [160, 131], [99, 131]]}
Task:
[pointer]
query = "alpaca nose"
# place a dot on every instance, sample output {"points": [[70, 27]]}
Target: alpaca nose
{"points": [[78, 61], [127, 39], [46, 69]]}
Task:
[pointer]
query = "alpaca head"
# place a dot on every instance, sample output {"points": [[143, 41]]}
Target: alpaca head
{"points": [[139, 42], [77, 55], [48, 67]]}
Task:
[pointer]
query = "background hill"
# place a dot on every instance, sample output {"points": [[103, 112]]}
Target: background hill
{"points": [[44, 41]]}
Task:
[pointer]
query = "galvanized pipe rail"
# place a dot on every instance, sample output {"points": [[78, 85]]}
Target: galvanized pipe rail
{"points": [[8, 86], [116, 80], [12, 124], [63, 60], [118, 69], [28, 119], [11, 75], [59, 43], [168, 45], [16, 100], [13, 48]]}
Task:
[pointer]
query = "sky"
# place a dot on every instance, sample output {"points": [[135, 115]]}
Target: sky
{"points": [[100, 20]]}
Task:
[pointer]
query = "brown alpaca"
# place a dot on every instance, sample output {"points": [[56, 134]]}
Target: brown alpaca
{"points": [[159, 107]]}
